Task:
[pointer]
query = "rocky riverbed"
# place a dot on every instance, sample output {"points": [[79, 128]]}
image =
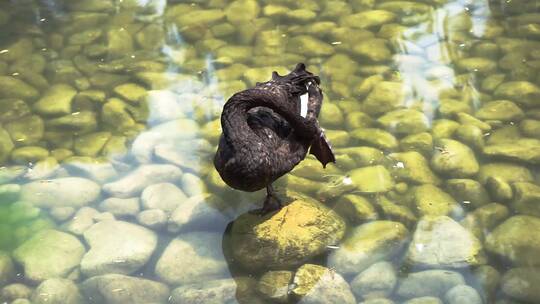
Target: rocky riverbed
{"points": [[109, 118]]}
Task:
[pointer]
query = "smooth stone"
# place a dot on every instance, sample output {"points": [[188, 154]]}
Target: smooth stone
{"points": [[164, 196], [9, 193], [27, 155], [83, 219], [26, 130], [428, 283], [61, 192], [377, 281], [116, 115], [314, 284], [91, 144], [374, 179], [163, 106], [368, 19], [487, 278], [441, 242], [6, 145], [522, 92], [522, 284], [525, 150], [462, 294], [443, 128], [140, 178], [105, 289], [395, 211], [130, 92], [189, 156], [16, 88], [504, 172], [476, 64], [530, 128], [154, 219], [57, 291], [199, 212], [454, 158], [373, 50], [117, 247], [49, 254], [431, 200], [274, 285], [11, 173], [121, 206], [450, 107], [192, 258], [503, 110], [376, 138], [95, 169], [61, 214], [413, 167], [405, 121], [208, 292], [7, 268], [468, 192], [355, 208], [471, 135], [386, 96], [119, 42], [15, 291], [526, 198], [57, 100], [288, 242], [309, 46], [424, 300], [513, 241], [43, 169], [83, 122], [367, 244]]}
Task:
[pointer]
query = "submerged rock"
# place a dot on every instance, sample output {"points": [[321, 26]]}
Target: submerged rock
{"points": [[192, 257], [526, 150], [372, 179], [413, 167], [57, 100], [57, 291], [440, 242], [433, 283], [463, 294], [503, 110], [274, 285], [61, 192], [522, 92], [377, 281], [431, 200], [522, 284], [120, 289], [314, 284], [504, 172], [16, 88], [527, 196], [164, 196], [7, 269], [199, 212], [454, 158], [117, 247], [208, 292], [299, 231], [49, 254], [367, 244]]}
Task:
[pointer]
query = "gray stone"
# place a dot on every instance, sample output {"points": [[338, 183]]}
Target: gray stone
{"points": [[61, 192], [49, 254], [434, 283], [121, 289], [462, 294], [192, 257], [142, 177], [367, 244], [155, 219], [424, 300], [117, 247], [164, 196], [57, 291], [121, 206], [97, 170], [200, 212], [83, 219], [377, 281], [209, 292], [15, 291], [314, 284]]}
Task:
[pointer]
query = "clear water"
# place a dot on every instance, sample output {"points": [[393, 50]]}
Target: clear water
{"points": [[100, 89]]}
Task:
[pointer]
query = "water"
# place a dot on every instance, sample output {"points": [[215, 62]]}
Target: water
{"points": [[110, 118]]}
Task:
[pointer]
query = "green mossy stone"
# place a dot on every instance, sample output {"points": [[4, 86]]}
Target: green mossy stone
{"points": [[338, 138], [271, 42], [15, 88], [367, 19], [374, 179], [301, 184], [450, 107], [404, 121], [530, 128], [413, 167], [21, 48], [6, 145], [395, 212], [31, 154], [115, 147], [405, 8], [465, 118], [119, 43], [83, 122], [91, 144], [454, 159], [11, 173], [355, 209], [431, 200], [61, 154], [499, 189], [483, 219], [470, 135], [116, 116], [386, 96], [9, 193], [151, 37], [31, 65], [469, 192], [376, 138], [504, 134], [331, 115], [421, 142], [363, 156], [374, 50], [309, 46], [241, 11], [274, 285], [503, 110], [27, 130], [476, 64], [506, 172], [526, 198], [491, 82], [521, 284], [521, 92], [273, 10], [301, 15], [357, 119], [57, 100], [85, 37], [524, 150], [12, 109], [339, 67], [102, 80], [234, 53], [366, 85], [254, 75], [130, 92], [223, 30]]}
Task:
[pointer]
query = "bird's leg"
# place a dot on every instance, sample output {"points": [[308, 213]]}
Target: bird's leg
{"points": [[271, 202]]}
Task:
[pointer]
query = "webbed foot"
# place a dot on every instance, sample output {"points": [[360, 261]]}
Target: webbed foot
{"points": [[271, 203]]}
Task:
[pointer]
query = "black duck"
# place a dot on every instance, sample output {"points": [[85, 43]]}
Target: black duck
{"points": [[267, 131]]}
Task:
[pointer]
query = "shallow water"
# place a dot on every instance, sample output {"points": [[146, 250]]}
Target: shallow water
{"points": [[109, 119]]}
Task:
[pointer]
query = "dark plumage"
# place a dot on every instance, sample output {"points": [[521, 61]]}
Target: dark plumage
{"points": [[265, 136]]}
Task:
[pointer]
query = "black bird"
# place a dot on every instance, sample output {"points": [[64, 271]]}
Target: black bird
{"points": [[267, 131]]}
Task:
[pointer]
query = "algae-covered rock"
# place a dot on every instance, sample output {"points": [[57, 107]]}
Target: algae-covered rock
{"points": [[105, 289], [404, 121], [376, 137], [396, 212], [424, 300], [449, 107], [431, 200], [57, 291], [331, 115], [375, 50], [440, 242], [530, 128], [274, 285], [367, 244], [309, 46], [386, 96], [514, 241], [503, 110], [368, 19], [12, 109], [434, 283], [421, 142], [484, 219], [131, 92], [49, 254], [6, 145], [413, 167], [355, 208], [91, 144], [15, 88], [521, 92], [27, 130], [506, 172], [211, 292], [56, 100], [470, 135], [443, 128], [462, 294], [296, 233], [119, 43], [314, 284], [525, 149], [476, 64], [7, 270], [83, 122], [522, 283], [468, 191], [30, 154], [526, 199], [454, 158], [372, 179]]}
